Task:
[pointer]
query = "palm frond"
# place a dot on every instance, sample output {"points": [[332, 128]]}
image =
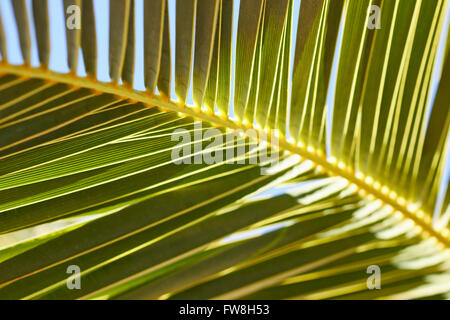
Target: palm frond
{"points": [[87, 175]]}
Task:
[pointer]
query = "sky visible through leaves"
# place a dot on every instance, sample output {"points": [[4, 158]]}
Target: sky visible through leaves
{"points": [[101, 7]]}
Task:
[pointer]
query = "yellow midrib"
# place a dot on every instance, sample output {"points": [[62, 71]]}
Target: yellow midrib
{"points": [[422, 220]]}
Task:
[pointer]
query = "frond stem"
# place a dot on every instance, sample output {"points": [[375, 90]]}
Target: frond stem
{"points": [[421, 219]]}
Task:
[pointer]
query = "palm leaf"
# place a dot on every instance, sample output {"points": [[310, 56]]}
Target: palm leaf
{"points": [[88, 178]]}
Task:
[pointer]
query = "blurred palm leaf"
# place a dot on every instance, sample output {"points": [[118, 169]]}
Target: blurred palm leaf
{"points": [[87, 177]]}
